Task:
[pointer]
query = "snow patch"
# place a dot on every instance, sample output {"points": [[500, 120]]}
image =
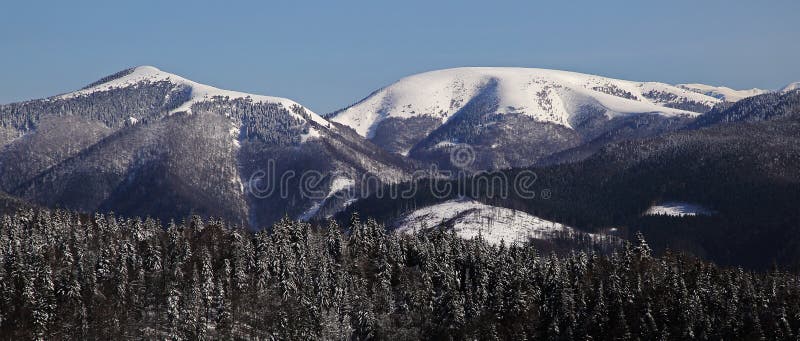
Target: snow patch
{"points": [[678, 209], [312, 134], [444, 144], [470, 218], [338, 184], [235, 133], [311, 211]]}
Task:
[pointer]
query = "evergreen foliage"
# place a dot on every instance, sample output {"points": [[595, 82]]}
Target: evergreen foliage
{"points": [[68, 276], [753, 109], [748, 173], [268, 122], [113, 108]]}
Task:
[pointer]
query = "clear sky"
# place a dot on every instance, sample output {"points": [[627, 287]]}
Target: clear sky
{"points": [[329, 54]]}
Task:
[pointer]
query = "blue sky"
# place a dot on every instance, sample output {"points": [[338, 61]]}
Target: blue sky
{"points": [[329, 54]]}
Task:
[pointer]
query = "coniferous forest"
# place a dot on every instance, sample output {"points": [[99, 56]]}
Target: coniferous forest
{"points": [[71, 276], [420, 171]]}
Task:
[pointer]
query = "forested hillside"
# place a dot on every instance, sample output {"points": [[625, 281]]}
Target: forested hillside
{"points": [[747, 172], [144, 142], [757, 108], [67, 276]]}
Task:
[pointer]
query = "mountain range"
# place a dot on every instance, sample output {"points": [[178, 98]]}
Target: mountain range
{"points": [[514, 117], [725, 187], [144, 142]]}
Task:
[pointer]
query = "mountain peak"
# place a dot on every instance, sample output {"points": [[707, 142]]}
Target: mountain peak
{"points": [[791, 86], [126, 78], [147, 74], [546, 95], [149, 68]]}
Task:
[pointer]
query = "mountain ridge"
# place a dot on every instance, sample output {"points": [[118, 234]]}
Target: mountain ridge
{"points": [[147, 142], [199, 92], [465, 81], [514, 117]]}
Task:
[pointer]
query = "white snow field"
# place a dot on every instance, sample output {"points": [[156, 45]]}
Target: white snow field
{"points": [[678, 209], [547, 95], [470, 218]]}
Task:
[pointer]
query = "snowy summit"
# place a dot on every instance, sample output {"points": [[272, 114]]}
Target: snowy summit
{"points": [[199, 92], [546, 95]]}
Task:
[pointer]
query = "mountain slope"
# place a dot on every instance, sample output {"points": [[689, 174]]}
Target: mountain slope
{"points": [[470, 219], [747, 173], [791, 87], [147, 142], [11, 205], [722, 92], [512, 116], [758, 108]]}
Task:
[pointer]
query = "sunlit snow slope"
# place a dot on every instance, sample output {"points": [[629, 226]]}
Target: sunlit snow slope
{"points": [[469, 218], [722, 92], [144, 75], [547, 95]]}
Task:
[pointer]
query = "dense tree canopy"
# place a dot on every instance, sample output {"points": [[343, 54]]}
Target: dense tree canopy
{"points": [[64, 275]]}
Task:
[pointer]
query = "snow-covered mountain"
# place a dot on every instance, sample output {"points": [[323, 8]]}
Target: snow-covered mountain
{"points": [[547, 95], [791, 87], [145, 75], [470, 218], [514, 116], [722, 92], [149, 143]]}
